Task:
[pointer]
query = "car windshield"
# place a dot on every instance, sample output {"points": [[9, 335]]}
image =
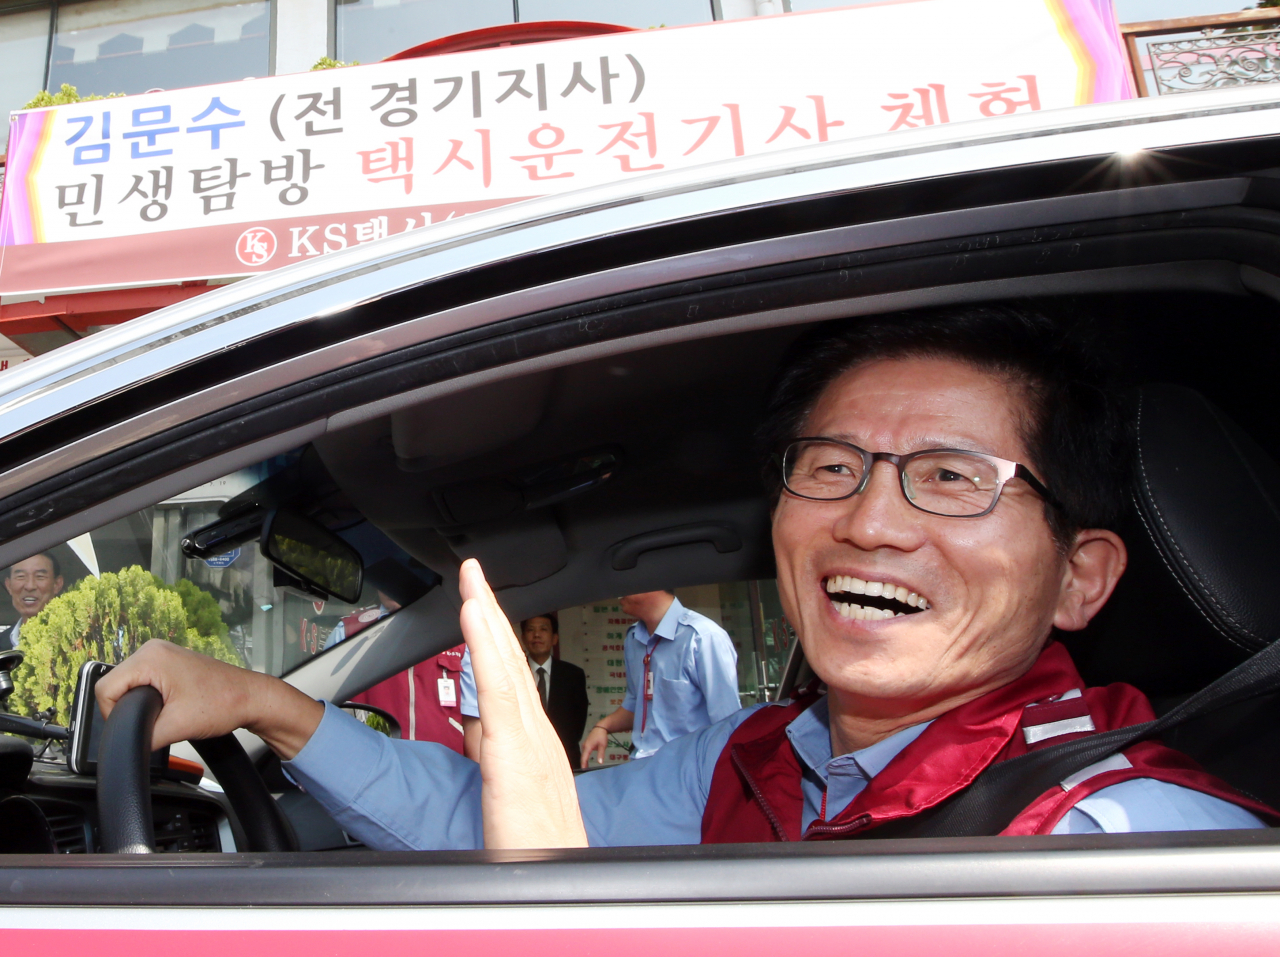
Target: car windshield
{"points": [[103, 594]]}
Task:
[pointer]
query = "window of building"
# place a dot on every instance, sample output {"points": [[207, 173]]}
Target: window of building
{"points": [[24, 42], [132, 46], [627, 13], [369, 30]]}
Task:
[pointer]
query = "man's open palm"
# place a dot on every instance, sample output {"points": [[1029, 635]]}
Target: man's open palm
{"points": [[528, 796]]}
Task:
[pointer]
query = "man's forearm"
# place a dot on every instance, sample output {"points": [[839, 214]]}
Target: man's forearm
{"points": [[281, 715], [424, 795], [620, 720]]}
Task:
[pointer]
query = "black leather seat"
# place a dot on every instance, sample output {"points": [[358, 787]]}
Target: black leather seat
{"points": [[1202, 592]]}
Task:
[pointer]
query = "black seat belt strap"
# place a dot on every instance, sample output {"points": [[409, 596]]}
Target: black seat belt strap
{"points": [[1001, 792]]}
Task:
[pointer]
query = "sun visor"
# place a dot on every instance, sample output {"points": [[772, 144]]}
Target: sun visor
{"points": [[457, 427]]}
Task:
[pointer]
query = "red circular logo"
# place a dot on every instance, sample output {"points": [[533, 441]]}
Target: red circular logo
{"points": [[256, 246]]}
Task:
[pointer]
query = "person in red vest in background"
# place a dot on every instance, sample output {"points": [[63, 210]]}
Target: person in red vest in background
{"points": [[425, 698]]}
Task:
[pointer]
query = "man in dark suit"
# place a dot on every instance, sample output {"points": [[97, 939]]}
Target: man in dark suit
{"points": [[561, 685]]}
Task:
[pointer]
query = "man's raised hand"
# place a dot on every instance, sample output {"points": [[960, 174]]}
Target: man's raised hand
{"points": [[528, 796]]}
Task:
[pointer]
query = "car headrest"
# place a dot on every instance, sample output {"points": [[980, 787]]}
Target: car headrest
{"points": [[1202, 592]]}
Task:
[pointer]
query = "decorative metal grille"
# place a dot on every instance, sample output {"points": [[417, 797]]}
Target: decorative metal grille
{"points": [[1215, 60]]}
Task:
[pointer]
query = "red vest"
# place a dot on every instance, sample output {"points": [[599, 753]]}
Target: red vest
{"points": [[755, 790], [413, 696]]}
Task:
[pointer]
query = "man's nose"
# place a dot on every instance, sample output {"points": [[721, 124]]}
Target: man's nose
{"points": [[879, 515]]}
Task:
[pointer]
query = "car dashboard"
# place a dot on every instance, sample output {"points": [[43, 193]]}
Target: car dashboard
{"points": [[187, 818]]}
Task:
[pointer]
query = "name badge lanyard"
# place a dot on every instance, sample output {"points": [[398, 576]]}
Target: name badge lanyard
{"points": [[446, 689], [648, 683]]}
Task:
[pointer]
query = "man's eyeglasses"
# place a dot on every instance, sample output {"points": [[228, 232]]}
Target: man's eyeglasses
{"points": [[951, 482]]}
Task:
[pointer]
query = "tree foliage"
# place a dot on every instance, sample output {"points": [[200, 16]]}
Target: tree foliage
{"points": [[329, 63], [107, 619], [203, 613], [67, 95]]}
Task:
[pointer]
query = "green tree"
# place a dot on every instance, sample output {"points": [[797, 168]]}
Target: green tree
{"points": [[67, 95], [107, 619], [203, 613], [329, 63]]}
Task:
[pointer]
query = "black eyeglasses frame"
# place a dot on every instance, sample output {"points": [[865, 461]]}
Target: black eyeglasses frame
{"points": [[1006, 471]]}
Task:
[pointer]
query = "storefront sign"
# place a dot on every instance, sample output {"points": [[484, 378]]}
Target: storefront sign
{"points": [[238, 178]]}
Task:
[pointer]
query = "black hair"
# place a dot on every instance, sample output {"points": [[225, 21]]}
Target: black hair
{"points": [[1077, 428], [53, 560], [551, 615]]}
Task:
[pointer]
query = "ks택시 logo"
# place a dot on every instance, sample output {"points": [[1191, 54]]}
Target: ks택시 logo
{"points": [[256, 246]]}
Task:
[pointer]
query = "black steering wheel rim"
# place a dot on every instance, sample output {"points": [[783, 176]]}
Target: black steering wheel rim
{"points": [[124, 782]]}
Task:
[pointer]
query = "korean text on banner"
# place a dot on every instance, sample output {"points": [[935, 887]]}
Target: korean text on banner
{"points": [[237, 178]]}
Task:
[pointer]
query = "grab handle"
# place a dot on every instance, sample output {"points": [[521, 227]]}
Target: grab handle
{"points": [[724, 537]]}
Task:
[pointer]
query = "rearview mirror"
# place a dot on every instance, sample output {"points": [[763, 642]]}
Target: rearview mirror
{"points": [[314, 555]]}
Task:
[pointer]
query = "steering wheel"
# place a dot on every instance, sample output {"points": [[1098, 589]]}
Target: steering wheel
{"points": [[124, 782]]}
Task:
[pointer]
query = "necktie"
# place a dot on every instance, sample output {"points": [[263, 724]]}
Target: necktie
{"points": [[542, 685]]}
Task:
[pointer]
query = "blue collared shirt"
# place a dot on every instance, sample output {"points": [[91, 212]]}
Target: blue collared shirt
{"points": [[417, 795], [470, 703], [695, 677]]}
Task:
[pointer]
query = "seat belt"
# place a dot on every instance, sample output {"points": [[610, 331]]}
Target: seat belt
{"points": [[1003, 791]]}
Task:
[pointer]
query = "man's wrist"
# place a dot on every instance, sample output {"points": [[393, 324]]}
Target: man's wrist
{"points": [[284, 717]]}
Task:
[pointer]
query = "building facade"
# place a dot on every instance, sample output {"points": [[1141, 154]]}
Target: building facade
{"points": [[104, 47], [132, 46]]}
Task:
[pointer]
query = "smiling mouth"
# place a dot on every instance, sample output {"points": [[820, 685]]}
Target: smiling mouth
{"points": [[871, 601]]}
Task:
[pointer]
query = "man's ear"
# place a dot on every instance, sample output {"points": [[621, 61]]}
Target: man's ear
{"points": [[57, 585], [1094, 565]]}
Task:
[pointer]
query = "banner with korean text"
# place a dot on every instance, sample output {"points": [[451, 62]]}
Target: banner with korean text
{"points": [[237, 178]]}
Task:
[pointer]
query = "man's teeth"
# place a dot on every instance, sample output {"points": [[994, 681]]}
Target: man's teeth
{"points": [[849, 585], [859, 613]]}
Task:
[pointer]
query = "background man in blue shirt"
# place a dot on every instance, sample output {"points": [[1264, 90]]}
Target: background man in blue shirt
{"points": [[682, 675]]}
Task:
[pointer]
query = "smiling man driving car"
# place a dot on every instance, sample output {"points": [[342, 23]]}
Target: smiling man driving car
{"points": [[945, 488]]}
